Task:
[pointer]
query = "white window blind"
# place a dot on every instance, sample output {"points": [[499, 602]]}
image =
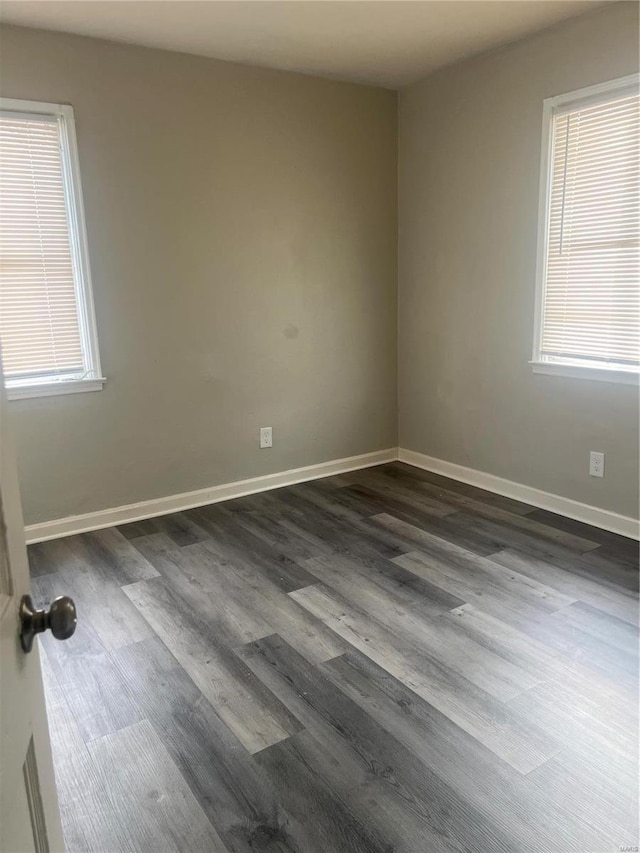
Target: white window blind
{"points": [[590, 312], [46, 319]]}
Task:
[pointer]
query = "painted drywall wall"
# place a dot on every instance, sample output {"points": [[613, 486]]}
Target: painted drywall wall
{"points": [[469, 154], [242, 234]]}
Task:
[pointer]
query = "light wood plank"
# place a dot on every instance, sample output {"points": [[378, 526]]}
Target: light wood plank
{"points": [[149, 791], [615, 601], [372, 772], [509, 521], [234, 792], [90, 819], [84, 670], [477, 580], [402, 612], [211, 587], [108, 552], [522, 746], [255, 716], [525, 812], [604, 627]]}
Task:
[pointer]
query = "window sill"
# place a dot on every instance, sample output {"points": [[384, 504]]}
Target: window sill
{"points": [[55, 389], [579, 371]]}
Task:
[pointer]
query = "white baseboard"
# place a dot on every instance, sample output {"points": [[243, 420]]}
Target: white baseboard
{"points": [[175, 503], [71, 525], [593, 515]]}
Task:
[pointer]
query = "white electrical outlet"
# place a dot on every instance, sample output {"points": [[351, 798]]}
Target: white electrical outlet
{"points": [[596, 464], [266, 437]]}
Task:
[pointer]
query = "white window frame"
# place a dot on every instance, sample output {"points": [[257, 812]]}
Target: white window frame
{"points": [[93, 380], [577, 370]]}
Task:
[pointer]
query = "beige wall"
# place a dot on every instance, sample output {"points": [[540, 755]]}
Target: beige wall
{"points": [[469, 152], [242, 233], [242, 229]]}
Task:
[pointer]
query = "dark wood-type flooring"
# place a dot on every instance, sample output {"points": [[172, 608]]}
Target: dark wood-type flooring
{"points": [[380, 661]]}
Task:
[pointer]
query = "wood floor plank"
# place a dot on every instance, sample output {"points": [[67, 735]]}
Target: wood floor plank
{"points": [[436, 520], [148, 788], [524, 524], [263, 599], [108, 552], [402, 613], [418, 804], [365, 792], [463, 762], [486, 526], [317, 815], [229, 540], [602, 795], [95, 694], [324, 749], [480, 581], [90, 820], [100, 602], [238, 603], [333, 519], [490, 722], [621, 544], [294, 543], [628, 557], [607, 564], [351, 499], [213, 590], [267, 521], [84, 670], [400, 585], [527, 539], [364, 540], [505, 640], [415, 476], [411, 529], [572, 717], [255, 716], [543, 661], [381, 661], [180, 529], [365, 789], [336, 481], [234, 792], [391, 490], [475, 503], [578, 646], [43, 557], [599, 809], [616, 601], [602, 626]]}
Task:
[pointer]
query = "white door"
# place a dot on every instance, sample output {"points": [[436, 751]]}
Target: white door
{"points": [[29, 817]]}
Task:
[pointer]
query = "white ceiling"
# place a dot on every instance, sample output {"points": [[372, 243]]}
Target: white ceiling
{"points": [[384, 42]]}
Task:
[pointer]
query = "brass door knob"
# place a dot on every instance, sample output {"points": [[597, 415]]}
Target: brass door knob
{"points": [[61, 618]]}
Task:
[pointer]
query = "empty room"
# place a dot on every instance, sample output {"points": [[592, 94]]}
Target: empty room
{"points": [[319, 426]]}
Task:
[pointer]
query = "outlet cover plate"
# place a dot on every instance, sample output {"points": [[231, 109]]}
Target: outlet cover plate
{"points": [[596, 464], [266, 437]]}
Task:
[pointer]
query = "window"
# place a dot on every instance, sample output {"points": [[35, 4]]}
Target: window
{"points": [[47, 324], [588, 294]]}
